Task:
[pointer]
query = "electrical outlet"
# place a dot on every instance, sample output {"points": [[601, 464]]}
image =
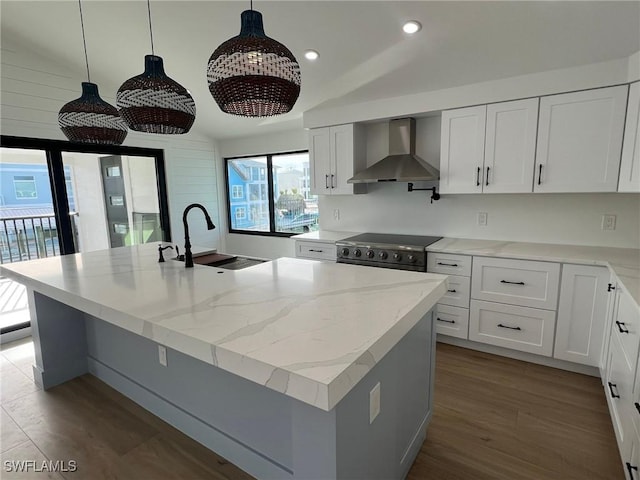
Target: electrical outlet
{"points": [[482, 219], [608, 222], [374, 403], [162, 355], [336, 214]]}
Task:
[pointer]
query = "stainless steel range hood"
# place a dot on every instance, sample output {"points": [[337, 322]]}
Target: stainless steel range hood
{"points": [[402, 164]]}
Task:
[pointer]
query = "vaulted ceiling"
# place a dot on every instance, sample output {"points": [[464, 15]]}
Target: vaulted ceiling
{"points": [[364, 54]]}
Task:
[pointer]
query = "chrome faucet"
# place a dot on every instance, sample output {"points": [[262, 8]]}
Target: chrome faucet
{"points": [[188, 257]]}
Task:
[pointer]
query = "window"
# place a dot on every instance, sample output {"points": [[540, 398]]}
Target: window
{"points": [[238, 191], [278, 199], [25, 186]]}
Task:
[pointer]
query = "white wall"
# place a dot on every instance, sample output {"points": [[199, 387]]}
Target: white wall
{"points": [[33, 91]]}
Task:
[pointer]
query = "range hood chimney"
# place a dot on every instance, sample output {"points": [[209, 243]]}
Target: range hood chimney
{"points": [[402, 164]]}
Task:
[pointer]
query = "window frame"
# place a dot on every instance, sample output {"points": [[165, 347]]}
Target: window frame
{"points": [[270, 195]]}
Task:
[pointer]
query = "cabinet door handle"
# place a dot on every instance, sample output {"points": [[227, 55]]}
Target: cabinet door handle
{"points": [[448, 264], [332, 185], [621, 327], [478, 177], [326, 181], [487, 179], [611, 387], [637, 405], [511, 283], [507, 326], [452, 291], [610, 287], [317, 251], [630, 469], [540, 174], [445, 321]]}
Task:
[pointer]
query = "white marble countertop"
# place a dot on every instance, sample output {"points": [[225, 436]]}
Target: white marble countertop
{"points": [[623, 262], [308, 329], [324, 236]]}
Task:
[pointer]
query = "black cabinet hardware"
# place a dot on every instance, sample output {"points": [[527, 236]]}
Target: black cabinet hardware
{"points": [[452, 291], [611, 387], [448, 264], [487, 182], [446, 321], [610, 287], [637, 405], [507, 326], [511, 283], [540, 175], [326, 181], [630, 469], [332, 185], [621, 327], [317, 251], [478, 178]]}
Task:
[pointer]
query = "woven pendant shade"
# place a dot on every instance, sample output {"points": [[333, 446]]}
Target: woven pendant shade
{"points": [[154, 103], [253, 75], [89, 119]]}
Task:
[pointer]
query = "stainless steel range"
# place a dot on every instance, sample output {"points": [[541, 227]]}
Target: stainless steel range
{"points": [[402, 252]]}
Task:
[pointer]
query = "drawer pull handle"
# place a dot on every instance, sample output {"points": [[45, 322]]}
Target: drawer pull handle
{"points": [[630, 469], [610, 287], [507, 326], [452, 291], [448, 264], [621, 327], [611, 387], [445, 321], [511, 283], [637, 405], [478, 178], [317, 251]]}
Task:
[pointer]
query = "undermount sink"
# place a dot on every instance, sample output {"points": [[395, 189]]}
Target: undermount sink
{"points": [[227, 262]]}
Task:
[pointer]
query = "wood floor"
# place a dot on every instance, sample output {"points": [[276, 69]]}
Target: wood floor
{"points": [[494, 418]]}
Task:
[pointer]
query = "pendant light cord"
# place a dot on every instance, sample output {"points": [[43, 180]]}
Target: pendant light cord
{"points": [[150, 29], [84, 41]]}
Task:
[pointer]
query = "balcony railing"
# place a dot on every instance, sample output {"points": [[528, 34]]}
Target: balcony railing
{"points": [[29, 237]]}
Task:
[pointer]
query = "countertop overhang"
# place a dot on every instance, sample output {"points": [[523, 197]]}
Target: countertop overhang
{"points": [[310, 330]]}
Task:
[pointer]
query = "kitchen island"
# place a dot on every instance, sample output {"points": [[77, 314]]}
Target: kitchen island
{"points": [[276, 367]]}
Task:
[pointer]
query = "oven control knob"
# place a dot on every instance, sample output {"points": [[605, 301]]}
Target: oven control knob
{"points": [[370, 254], [345, 252], [411, 258], [383, 255], [357, 252], [397, 257]]}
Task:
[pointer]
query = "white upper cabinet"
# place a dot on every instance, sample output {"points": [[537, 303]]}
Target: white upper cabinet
{"points": [[630, 165], [510, 146], [335, 153], [580, 140], [462, 150], [490, 148]]}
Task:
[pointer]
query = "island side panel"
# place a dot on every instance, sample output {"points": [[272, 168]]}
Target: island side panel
{"points": [[246, 423], [59, 338], [343, 444]]}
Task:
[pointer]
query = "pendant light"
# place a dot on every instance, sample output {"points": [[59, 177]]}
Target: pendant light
{"points": [[154, 103], [89, 119], [253, 75]]}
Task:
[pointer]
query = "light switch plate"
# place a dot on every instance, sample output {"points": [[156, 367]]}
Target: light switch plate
{"points": [[608, 222], [162, 355], [374, 403], [482, 219]]}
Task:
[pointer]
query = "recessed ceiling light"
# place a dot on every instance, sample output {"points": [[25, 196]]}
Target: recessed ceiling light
{"points": [[311, 55], [411, 26]]}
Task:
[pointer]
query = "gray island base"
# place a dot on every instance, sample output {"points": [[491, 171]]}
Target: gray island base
{"points": [[267, 433]]}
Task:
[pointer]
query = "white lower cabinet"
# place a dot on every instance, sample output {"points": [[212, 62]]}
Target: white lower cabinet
{"points": [[452, 321], [316, 250], [511, 326], [631, 458], [581, 314]]}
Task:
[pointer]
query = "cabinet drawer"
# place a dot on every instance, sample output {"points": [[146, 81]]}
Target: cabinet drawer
{"points": [[626, 326], [452, 321], [449, 264], [458, 291], [316, 250], [521, 328], [517, 282], [618, 387]]}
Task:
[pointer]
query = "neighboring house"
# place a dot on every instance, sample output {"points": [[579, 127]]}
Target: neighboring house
{"points": [[249, 194]]}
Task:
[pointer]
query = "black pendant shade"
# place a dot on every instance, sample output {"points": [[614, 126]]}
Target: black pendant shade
{"points": [[154, 103], [89, 119], [253, 75]]}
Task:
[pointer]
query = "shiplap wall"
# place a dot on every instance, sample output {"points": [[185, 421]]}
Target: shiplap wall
{"points": [[32, 91]]}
